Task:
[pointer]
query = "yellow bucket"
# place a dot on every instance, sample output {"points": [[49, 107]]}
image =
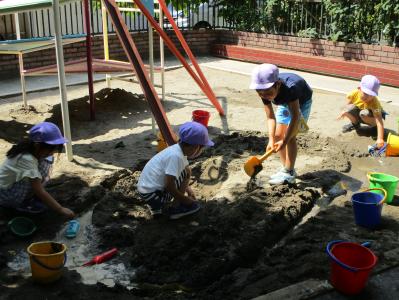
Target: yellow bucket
{"points": [[392, 145], [302, 126], [161, 144], [47, 260]]}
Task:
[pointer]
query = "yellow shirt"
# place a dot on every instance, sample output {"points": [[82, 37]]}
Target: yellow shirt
{"points": [[373, 105]]}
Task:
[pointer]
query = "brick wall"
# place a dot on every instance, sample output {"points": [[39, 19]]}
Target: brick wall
{"points": [[199, 41], [347, 51]]}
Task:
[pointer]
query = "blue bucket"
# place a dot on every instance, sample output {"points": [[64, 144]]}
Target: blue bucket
{"points": [[367, 207]]}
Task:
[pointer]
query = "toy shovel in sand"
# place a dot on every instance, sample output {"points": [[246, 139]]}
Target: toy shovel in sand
{"points": [[98, 259], [254, 164]]}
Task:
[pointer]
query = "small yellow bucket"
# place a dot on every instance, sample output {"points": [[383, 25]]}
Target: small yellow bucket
{"points": [[392, 145], [161, 144], [302, 126], [47, 260]]}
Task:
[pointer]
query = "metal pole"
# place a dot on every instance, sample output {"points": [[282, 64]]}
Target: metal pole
{"points": [[61, 78], [105, 40], [162, 55], [151, 59], [21, 62], [89, 59]]}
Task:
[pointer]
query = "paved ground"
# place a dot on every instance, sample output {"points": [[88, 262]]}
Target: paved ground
{"points": [[11, 87]]}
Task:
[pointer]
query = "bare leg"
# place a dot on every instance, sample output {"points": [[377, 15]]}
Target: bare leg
{"points": [[351, 118], [368, 120], [292, 151], [281, 129]]}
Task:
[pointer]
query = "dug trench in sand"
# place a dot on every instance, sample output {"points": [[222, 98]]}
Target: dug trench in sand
{"points": [[237, 223]]}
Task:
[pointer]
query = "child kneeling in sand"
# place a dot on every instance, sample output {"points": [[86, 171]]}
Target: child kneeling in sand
{"points": [[364, 107], [26, 170], [167, 175]]}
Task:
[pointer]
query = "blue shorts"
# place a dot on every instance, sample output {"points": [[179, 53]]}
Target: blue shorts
{"points": [[283, 115]]}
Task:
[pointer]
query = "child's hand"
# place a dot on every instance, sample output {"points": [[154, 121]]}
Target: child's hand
{"points": [[270, 145], [380, 143], [341, 115], [190, 193], [67, 212], [279, 145]]}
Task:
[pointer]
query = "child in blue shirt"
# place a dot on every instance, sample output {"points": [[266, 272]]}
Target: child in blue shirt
{"points": [[293, 98], [166, 176]]}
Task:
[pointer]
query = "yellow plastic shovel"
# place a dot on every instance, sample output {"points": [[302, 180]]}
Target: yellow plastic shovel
{"points": [[254, 164]]}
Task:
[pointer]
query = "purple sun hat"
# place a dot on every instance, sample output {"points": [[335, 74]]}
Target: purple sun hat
{"points": [[264, 76], [370, 85], [194, 133], [48, 133]]}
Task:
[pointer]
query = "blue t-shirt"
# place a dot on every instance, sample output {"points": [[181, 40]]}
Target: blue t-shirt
{"points": [[293, 87]]}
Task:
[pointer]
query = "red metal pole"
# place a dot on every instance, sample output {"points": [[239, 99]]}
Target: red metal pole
{"points": [[176, 52], [89, 58], [188, 50], [138, 66]]}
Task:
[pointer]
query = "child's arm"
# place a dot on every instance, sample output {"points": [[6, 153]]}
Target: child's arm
{"points": [[380, 130], [170, 186], [271, 125], [47, 199], [348, 101]]}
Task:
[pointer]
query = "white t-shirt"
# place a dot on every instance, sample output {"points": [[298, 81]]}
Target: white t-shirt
{"points": [[170, 161], [17, 168]]}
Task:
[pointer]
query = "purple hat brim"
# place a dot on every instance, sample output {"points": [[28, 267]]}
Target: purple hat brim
{"points": [[368, 91], [210, 143], [59, 141]]}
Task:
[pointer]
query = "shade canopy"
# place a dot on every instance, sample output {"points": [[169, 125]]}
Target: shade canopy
{"points": [[17, 6]]}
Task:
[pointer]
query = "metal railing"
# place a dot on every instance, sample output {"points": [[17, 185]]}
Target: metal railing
{"points": [[296, 18]]}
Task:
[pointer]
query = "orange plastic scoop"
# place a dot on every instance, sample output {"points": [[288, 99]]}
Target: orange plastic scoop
{"points": [[254, 164]]}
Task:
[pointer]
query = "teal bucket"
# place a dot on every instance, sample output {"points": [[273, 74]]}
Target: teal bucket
{"points": [[383, 181]]}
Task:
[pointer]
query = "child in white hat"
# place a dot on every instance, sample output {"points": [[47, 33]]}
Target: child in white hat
{"points": [[363, 106], [293, 98]]}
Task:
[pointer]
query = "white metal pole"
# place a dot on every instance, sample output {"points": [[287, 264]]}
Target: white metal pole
{"points": [[105, 40], [162, 54], [151, 58], [21, 62], [61, 78]]}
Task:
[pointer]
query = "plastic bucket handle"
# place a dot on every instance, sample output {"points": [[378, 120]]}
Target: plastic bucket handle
{"points": [[50, 268], [332, 243], [381, 190], [370, 174]]}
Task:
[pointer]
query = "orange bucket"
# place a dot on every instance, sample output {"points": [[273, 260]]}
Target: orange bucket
{"points": [[201, 116]]}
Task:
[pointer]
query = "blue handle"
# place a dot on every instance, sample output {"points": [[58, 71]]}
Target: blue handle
{"points": [[328, 250]]}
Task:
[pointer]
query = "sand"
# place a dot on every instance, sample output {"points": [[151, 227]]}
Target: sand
{"points": [[248, 239]]}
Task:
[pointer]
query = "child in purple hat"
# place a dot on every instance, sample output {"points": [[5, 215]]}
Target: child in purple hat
{"points": [[26, 170], [167, 175], [363, 106]]}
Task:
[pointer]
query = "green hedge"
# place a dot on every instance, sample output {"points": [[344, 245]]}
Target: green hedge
{"points": [[366, 21]]}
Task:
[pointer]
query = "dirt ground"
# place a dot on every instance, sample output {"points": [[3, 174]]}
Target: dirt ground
{"points": [[249, 239]]}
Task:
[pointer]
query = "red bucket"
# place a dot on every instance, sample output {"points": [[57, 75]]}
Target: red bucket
{"points": [[350, 266], [201, 116]]}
